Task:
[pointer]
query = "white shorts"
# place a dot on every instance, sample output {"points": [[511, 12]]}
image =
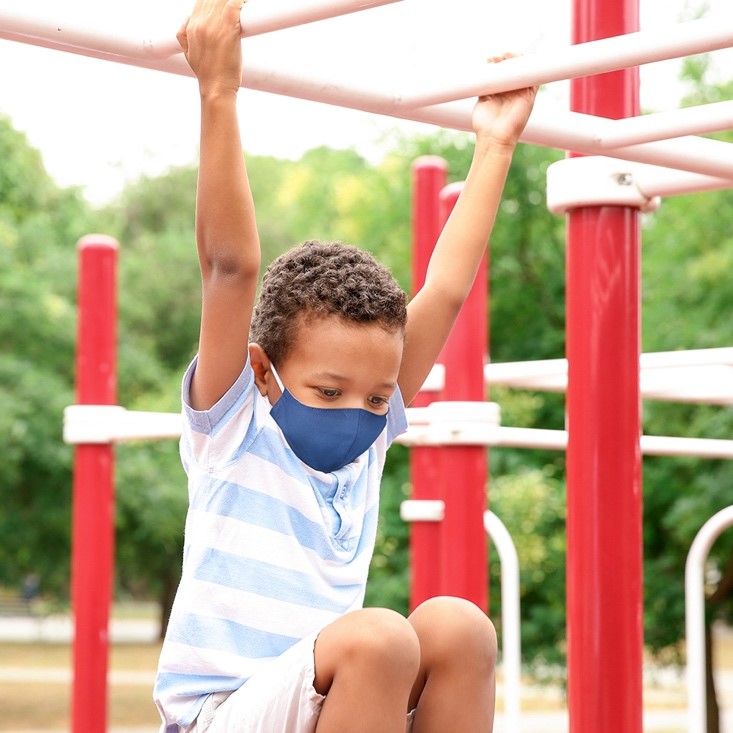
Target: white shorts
{"points": [[280, 698]]}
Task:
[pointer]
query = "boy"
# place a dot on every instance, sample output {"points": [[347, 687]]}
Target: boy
{"points": [[284, 445]]}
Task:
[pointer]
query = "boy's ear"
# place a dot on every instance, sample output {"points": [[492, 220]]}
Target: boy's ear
{"points": [[260, 366]]}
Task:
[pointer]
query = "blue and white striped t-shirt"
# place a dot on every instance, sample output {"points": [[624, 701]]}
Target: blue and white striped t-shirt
{"points": [[274, 550]]}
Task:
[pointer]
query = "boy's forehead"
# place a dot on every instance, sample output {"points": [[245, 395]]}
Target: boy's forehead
{"points": [[331, 343]]}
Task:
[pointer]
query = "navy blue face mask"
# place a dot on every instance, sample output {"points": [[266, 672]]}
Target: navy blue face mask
{"points": [[325, 439]]}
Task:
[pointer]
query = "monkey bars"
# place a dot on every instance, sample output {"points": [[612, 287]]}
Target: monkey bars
{"points": [[640, 139]]}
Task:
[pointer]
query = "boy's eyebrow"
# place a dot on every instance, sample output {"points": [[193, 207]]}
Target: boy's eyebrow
{"points": [[342, 378]]}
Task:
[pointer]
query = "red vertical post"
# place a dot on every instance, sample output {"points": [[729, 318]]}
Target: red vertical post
{"points": [[464, 545], [604, 578], [429, 175], [93, 488]]}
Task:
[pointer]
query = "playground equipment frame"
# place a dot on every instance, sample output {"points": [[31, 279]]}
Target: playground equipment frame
{"points": [[606, 40]]}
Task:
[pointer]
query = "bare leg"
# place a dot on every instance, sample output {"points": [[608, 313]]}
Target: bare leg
{"points": [[366, 664], [456, 685]]}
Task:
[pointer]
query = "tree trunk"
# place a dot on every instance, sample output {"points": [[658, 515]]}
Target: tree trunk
{"points": [[167, 595], [713, 717]]}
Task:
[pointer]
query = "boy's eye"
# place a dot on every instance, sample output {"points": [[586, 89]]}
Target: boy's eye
{"points": [[378, 401], [329, 392]]}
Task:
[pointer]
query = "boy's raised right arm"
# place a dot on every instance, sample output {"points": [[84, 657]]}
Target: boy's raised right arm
{"points": [[226, 230]]}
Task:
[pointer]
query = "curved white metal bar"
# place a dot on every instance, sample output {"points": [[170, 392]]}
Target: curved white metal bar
{"points": [[695, 617], [582, 59], [510, 619]]}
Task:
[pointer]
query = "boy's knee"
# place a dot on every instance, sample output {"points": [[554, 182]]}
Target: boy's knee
{"points": [[455, 629], [370, 639], [383, 635]]}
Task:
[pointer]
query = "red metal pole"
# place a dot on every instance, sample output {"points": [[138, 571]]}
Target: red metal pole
{"points": [[463, 543], [429, 175], [604, 578], [93, 488]]}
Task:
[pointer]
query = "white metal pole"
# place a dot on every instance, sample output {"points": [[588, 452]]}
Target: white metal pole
{"points": [[660, 374], [695, 617], [260, 17], [567, 131], [658, 181], [659, 445], [689, 357], [115, 424], [582, 59], [700, 120], [651, 445], [501, 370], [53, 22], [510, 619], [582, 134], [52, 26]]}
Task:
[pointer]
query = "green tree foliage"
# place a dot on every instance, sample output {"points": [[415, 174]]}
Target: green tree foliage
{"points": [[39, 225], [687, 304]]}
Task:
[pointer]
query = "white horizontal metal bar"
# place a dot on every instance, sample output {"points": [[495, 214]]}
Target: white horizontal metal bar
{"points": [[687, 357], [568, 130], [657, 445], [564, 130], [262, 16], [653, 445], [583, 59], [101, 424], [452, 423], [700, 120], [54, 22], [502, 371], [435, 381], [51, 25], [695, 617], [422, 510], [538, 438], [655, 180], [581, 133], [515, 373], [697, 375]]}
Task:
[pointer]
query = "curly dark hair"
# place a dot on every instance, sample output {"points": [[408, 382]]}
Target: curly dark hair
{"points": [[317, 279]]}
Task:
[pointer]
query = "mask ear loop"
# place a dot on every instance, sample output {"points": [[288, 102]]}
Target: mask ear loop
{"points": [[277, 377]]}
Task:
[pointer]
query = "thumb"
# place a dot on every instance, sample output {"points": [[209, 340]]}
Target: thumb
{"points": [[182, 35]]}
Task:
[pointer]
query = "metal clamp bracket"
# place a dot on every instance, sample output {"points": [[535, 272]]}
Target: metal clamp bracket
{"points": [[595, 180]]}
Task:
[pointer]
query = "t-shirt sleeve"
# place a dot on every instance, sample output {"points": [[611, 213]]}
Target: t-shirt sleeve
{"points": [[396, 417], [230, 421]]}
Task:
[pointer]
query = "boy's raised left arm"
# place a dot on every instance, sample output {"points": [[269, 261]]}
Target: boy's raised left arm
{"points": [[498, 121]]}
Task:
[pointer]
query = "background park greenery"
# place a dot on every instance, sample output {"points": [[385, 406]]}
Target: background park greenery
{"points": [[687, 302]]}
